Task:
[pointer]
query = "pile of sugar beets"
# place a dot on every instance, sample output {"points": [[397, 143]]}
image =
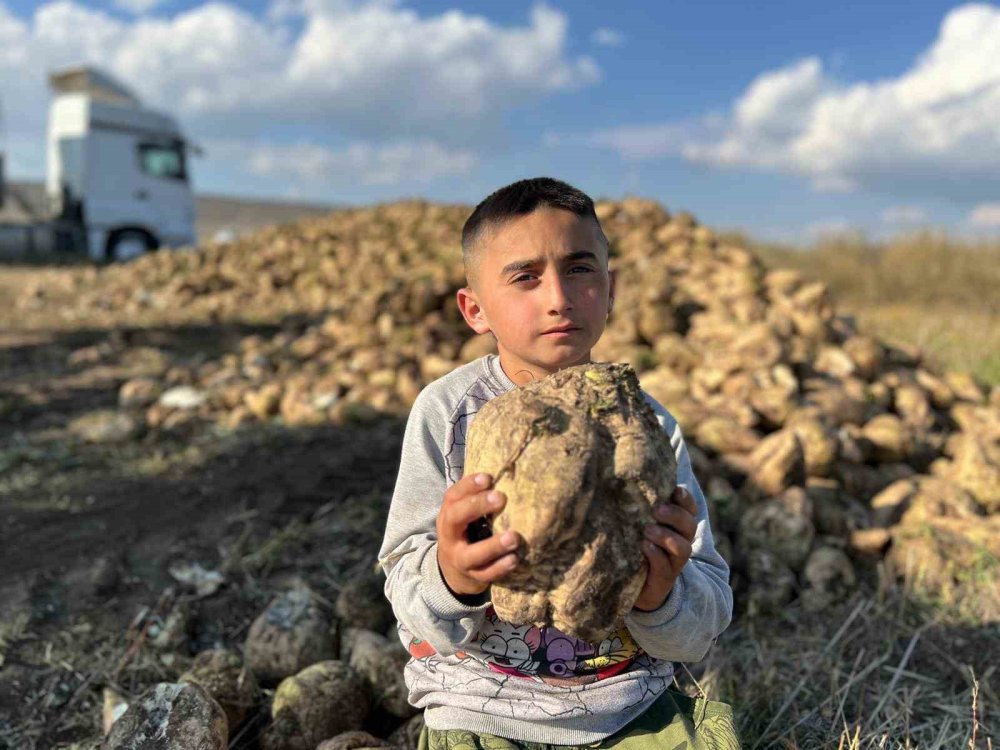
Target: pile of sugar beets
{"points": [[821, 449]]}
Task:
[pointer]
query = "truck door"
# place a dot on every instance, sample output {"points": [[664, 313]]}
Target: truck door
{"points": [[115, 193], [163, 184]]}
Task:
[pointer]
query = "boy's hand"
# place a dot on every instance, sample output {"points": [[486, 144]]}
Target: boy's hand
{"points": [[469, 567], [667, 547]]}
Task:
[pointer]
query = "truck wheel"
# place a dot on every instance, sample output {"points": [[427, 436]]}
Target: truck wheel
{"points": [[127, 245]]}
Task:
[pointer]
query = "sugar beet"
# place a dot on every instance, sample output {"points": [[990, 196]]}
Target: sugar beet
{"points": [[581, 458]]}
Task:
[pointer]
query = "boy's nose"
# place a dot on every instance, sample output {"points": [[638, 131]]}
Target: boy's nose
{"points": [[559, 301]]}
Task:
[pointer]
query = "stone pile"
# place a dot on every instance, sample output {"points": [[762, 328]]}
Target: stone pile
{"points": [[817, 445], [337, 684]]}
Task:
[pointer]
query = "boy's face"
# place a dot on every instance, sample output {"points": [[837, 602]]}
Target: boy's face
{"points": [[542, 286]]}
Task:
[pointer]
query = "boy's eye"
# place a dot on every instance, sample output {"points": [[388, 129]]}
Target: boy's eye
{"points": [[529, 276]]}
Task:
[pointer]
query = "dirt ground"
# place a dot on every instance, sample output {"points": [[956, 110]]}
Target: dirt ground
{"points": [[88, 531]]}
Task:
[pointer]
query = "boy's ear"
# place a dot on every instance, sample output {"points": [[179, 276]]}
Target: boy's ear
{"points": [[472, 311]]}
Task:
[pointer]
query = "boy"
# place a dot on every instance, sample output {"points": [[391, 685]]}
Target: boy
{"points": [[536, 262]]}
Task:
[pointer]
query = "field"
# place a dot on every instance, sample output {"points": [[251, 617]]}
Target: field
{"points": [[100, 498], [925, 290]]}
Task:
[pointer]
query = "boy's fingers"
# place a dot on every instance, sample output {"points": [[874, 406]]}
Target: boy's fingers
{"points": [[463, 512], [484, 553], [676, 518], [683, 497], [467, 485], [669, 541], [659, 565], [495, 570], [454, 518]]}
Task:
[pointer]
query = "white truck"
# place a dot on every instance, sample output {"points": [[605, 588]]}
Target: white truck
{"points": [[117, 182]]}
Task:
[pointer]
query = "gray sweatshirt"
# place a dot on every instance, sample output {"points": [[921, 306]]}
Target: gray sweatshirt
{"points": [[470, 670]]}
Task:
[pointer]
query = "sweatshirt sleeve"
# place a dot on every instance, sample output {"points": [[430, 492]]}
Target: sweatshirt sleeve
{"points": [[421, 601], [700, 605]]}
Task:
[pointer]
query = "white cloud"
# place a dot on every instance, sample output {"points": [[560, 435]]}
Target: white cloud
{"points": [[310, 164], [373, 70], [931, 130], [985, 215], [606, 37], [903, 215], [138, 7], [937, 120]]}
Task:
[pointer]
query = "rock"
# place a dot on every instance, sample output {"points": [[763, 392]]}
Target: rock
{"points": [[940, 393], [889, 505], [182, 397], [935, 498], [819, 444], [105, 426], [783, 526], [976, 467], [772, 584], [778, 462], [320, 702], [913, 405], [362, 603], [983, 421], [292, 633], [870, 541], [866, 354], [829, 578], [381, 661], [263, 403], [139, 393], [889, 436], [224, 676], [836, 405], [407, 735], [170, 716], [835, 512], [581, 459], [834, 361], [724, 435], [864, 482], [964, 386]]}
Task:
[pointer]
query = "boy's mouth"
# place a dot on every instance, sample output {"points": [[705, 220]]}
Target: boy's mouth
{"points": [[563, 329]]}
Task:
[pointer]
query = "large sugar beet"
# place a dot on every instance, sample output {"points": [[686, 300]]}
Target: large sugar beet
{"points": [[581, 458]]}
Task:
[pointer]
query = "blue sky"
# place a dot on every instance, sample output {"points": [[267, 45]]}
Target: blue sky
{"points": [[785, 120]]}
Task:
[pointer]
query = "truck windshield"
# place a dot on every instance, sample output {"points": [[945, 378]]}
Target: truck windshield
{"points": [[163, 160]]}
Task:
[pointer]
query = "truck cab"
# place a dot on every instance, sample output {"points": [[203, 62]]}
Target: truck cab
{"points": [[116, 168]]}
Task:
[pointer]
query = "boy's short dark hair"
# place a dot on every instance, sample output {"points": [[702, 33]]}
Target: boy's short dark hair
{"points": [[519, 199]]}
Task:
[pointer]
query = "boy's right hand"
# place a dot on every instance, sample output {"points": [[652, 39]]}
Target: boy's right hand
{"points": [[468, 567]]}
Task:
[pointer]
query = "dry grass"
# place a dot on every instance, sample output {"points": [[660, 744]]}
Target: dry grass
{"points": [[876, 672], [925, 289]]}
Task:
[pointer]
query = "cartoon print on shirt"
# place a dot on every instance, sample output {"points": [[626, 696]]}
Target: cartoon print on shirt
{"points": [[544, 654], [550, 655], [509, 648]]}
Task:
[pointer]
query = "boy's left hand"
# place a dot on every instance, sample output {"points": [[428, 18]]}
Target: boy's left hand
{"points": [[667, 547]]}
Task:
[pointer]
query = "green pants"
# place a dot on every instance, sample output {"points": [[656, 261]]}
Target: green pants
{"points": [[673, 722]]}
